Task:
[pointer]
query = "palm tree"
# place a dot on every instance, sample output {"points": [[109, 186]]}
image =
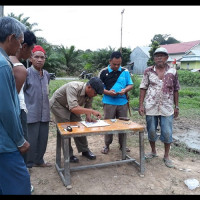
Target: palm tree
{"points": [[71, 57], [25, 21]]}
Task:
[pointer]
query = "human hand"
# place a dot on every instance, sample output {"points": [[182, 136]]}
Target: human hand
{"points": [[141, 110], [113, 93], [90, 119], [122, 92], [23, 149], [176, 112], [97, 114]]}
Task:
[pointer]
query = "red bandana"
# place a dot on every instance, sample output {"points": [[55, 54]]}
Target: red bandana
{"points": [[38, 48]]}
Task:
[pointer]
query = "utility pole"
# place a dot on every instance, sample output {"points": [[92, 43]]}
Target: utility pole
{"points": [[1, 11], [121, 29]]}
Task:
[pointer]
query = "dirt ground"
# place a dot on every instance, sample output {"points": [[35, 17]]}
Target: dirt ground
{"points": [[123, 179]]}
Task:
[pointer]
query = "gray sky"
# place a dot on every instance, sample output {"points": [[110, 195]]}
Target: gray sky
{"points": [[97, 27]]}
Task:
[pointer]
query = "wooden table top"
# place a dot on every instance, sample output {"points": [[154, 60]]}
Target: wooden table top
{"points": [[119, 125]]}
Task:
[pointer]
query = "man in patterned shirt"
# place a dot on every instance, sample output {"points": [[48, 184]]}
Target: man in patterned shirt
{"points": [[159, 90]]}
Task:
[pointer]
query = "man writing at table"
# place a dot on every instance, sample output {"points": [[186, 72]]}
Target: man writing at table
{"points": [[69, 102]]}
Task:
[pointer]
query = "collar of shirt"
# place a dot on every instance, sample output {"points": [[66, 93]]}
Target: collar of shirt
{"points": [[2, 51], [166, 67], [35, 70], [110, 70], [83, 90]]}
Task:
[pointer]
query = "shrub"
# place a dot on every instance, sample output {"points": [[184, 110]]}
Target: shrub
{"points": [[189, 78], [136, 85]]}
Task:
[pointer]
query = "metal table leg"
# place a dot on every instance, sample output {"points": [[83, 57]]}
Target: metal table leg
{"points": [[142, 158], [67, 177], [58, 149], [124, 136]]}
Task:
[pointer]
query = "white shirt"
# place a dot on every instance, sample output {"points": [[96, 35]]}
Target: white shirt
{"points": [[21, 94]]}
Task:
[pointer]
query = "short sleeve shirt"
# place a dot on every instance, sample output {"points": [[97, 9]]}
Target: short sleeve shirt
{"points": [[159, 99], [122, 82], [72, 95]]}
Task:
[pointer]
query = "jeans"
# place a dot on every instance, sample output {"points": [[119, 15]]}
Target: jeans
{"points": [[14, 176], [166, 126]]}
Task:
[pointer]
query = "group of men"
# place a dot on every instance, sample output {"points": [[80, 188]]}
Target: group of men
{"points": [[158, 95]]}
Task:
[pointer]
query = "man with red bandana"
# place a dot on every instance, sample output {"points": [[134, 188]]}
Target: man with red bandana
{"points": [[36, 93]]}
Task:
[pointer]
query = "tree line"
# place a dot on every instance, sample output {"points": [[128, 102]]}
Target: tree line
{"points": [[68, 61]]}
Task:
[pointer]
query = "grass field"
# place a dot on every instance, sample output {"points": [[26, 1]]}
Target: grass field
{"points": [[189, 103], [189, 100]]}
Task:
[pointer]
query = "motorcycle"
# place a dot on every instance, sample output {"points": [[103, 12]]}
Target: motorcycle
{"points": [[85, 75], [52, 76]]}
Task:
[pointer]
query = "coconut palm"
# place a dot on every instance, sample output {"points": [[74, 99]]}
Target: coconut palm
{"points": [[25, 21], [72, 59]]}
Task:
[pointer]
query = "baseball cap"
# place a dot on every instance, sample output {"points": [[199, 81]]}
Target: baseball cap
{"points": [[161, 50], [97, 84]]}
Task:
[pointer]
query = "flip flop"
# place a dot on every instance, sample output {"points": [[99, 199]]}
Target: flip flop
{"points": [[168, 163], [105, 150], [150, 155], [32, 188]]}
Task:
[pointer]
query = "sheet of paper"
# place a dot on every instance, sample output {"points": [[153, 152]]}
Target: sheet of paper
{"points": [[95, 124]]}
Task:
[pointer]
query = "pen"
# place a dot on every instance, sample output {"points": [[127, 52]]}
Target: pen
{"points": [[98, 118]]}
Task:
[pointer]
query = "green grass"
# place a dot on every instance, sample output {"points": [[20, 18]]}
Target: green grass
{"points": [[189, 100], [189, 103], [54, 85], [181, 151]]}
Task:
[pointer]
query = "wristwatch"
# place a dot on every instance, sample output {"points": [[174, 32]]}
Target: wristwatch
{"points": [[177, 107]]}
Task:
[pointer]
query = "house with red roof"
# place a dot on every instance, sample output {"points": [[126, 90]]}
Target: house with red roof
{"points": [[185, 49], [191, 61], [185, 54]]}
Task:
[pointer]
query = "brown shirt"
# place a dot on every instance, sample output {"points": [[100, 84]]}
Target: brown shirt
{"points": [[159, 99], [68, 96]]}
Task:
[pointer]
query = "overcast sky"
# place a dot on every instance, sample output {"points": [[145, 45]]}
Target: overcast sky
{"points": [[97, 27]]}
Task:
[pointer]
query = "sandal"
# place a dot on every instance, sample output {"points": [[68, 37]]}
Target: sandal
{"points": [[150, 155], [105, 150], [168, 163], [32, 188]]}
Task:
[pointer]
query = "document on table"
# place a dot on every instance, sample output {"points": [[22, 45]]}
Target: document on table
{"points": [[95, 124]]}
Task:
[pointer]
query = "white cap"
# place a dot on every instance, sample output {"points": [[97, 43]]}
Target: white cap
{"points": [[161, 50]]}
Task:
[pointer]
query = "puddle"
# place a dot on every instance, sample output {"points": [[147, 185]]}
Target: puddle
{"points": [[189, 137]]}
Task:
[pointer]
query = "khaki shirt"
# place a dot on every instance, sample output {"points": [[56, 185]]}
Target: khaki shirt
{"points": [[68, 96], [159, 99]]}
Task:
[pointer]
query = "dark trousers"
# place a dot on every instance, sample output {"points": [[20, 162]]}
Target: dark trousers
{"points": [[114, 112], [38, 138], [81, 142], [61, 114]]}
